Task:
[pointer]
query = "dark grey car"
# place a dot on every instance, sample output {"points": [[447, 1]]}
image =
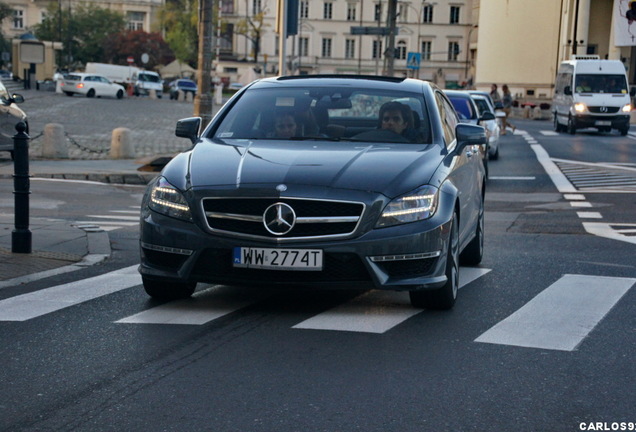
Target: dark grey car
{"points": [[343, 203], [10, 115]]}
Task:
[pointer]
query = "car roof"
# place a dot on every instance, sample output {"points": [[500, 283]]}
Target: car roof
{"points": [[367, 81]]}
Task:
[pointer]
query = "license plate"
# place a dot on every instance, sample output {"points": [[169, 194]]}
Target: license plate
{"points": [[603, 123], [278, 259]]}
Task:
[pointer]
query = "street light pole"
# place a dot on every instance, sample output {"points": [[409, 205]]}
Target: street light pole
{"points": [[203, 98]]}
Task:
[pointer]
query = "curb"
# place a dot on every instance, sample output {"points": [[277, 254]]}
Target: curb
{"points": [[124, 178]]}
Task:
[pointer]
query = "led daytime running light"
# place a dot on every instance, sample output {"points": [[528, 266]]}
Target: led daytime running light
{"points": [[167, 191]]}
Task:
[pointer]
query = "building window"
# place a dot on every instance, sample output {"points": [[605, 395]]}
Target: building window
{"points": [[18, 19], [303, 46], [351, 12], [454, 15], [350, 48], [400, 51], [256, 7], [227, 7], [453, 51], [378, 12], [426, 50], [327, 11], [403, 12], [427, 14], [135, 20], [377, 49], [326, 47], [304, 9]]}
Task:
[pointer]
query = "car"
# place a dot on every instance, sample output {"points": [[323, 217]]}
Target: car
{"points": [[469, 113], [235, 86], [6, 75], [493, 130], [10, 115], [184, 85], [340, 202], [91, 85]]}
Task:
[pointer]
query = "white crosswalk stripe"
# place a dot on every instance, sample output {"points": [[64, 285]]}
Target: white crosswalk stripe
{"points": [[116, 219], [561, 316]]}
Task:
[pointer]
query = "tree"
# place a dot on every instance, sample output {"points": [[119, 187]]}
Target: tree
{"points": [[6, 11], [83, 30], [117, 48], [252, 28], [180, 18]]}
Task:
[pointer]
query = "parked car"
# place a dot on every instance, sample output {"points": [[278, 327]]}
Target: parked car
{"points": [[338, 202], [182, 84], [10, 116], [469, 113], [493, 129], [91, 85]]}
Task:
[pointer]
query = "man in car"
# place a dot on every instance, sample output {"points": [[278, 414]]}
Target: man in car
{"points": [[398, 118], [284, 125]]}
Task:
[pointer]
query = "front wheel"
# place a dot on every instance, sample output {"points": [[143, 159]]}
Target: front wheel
{"points": [[474, 251], [571, 126], [162, 290], [120, 94], [557, 125], [443, 298], [624, 131]]}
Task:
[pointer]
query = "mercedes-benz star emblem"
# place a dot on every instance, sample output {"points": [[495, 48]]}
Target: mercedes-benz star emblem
{"points": [[279, 219], [603, 109]]}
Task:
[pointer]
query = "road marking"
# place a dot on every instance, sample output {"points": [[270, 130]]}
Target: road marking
{"points": [[511, 178], [617, 231], [580, 204], [589, 215], [561, 316], [549, 133], [38, 303], [203, 307], [560, 181], [375, 311]]}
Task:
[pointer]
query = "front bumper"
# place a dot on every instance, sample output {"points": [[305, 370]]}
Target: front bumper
{"points": [[404, 257], [619, 121]]}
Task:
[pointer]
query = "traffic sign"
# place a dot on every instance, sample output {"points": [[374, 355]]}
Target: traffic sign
{"points": [[413, 60]]}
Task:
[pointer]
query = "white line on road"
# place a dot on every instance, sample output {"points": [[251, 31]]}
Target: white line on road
{"points": [[561, 316], [560, 181], [511, 178], [35, 304], [375, 311]]}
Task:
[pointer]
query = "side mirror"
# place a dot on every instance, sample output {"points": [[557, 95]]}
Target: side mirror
{"points": [[17, 98], [487, 115], [632, 91], [468, 134], [188, 128], [567, 91]]}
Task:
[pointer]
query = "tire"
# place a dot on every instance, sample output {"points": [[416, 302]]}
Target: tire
{"points": [[571, 128], [120, 94], [624, 131], [495, 155], [474, 251], [91, 93], [69, 93], [557, 125], [443, 298], [161, 290]]}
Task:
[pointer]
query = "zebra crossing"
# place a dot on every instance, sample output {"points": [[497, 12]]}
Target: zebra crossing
{"points": [[115, 219], [558, 318]]}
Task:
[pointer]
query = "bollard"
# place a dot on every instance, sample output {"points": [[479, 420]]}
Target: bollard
{"points": [[54, 146], [152, 93], [21, 235], [121, 146]]}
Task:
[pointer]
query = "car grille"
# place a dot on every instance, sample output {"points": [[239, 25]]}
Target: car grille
{"points": [[216, 265], [314, 218], [603, 110]]}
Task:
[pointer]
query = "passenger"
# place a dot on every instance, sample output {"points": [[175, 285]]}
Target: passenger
{"points": [[398, 118]]}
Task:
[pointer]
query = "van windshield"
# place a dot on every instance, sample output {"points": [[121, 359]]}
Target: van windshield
{"points": [[595, 83]]}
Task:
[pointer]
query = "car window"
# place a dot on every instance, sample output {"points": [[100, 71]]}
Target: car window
{"points": [[449, 118], [327, 112], [482, 105], [464, 108]]}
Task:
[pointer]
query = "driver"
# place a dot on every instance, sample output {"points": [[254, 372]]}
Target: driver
{"points": [[398, 118]]}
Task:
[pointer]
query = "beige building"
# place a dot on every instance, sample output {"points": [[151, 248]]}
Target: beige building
{"points": [[521, 43]]}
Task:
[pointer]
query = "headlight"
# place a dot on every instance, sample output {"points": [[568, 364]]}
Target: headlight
{"points": [[580, 107], [415, 206], [166, 199], [627, 108]]}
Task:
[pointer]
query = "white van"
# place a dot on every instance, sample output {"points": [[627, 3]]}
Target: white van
{"points": [[144, 81], [590, 92]]}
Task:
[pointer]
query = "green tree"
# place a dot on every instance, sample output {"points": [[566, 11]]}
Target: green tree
{"points": [[119, 46], [252, 28], [82, 29], [179, 18], [6, 11]]}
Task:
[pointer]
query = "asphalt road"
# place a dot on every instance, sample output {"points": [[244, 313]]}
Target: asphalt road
{"points": [[541, 339]]}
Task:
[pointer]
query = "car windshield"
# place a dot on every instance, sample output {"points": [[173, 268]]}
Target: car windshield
{"points": [[149, 78], [188, 84], [595, 83], [464, 108], [325, 113]]}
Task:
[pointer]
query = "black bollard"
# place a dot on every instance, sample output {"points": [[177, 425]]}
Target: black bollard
{"points": [[21, 235]]}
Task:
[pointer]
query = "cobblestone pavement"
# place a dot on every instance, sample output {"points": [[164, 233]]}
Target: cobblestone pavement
{"points": [[88, 123]]}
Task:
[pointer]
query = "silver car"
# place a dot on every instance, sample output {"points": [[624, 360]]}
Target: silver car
{"points": [[10, 115]]}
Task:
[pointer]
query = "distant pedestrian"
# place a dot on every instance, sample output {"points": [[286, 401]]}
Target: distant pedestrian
{"points": [[506, 100], [495, 96]]}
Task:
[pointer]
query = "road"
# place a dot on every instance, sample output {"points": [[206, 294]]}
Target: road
{"points": [[541, 339]]}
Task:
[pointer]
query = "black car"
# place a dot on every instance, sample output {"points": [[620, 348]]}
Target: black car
{"points": [[340, 200], [184, 85]]}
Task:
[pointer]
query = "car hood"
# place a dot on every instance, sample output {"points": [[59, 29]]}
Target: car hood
{"points": [[384, 168]]}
